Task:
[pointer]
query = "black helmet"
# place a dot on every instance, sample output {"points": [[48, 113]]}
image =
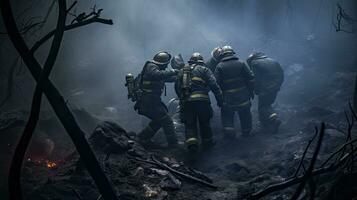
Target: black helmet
{"points": [[162, 58], [177, 62], [254, 56], [217, 53], [228, 50], [196, 58]]}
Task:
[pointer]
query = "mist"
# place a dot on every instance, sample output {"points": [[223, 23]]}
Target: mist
{"points": [[93, 60]]}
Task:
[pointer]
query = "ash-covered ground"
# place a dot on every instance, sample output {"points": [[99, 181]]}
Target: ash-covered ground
{"points": [[237, 168]]}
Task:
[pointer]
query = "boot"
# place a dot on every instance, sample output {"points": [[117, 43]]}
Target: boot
{"points": [[192, 144], [169, 130], [145, 135]]}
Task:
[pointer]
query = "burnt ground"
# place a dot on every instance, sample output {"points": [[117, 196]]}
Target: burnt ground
{"points": [[236, 167]]}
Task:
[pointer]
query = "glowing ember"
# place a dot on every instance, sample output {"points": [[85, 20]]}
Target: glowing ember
{"points": [[44, 162], [51, 165]]}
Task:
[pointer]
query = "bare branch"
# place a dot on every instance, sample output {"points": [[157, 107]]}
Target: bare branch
{"points": [[20, 150], [58, 104], [305, 151], [70, 27], [308, 173], [71, 7]]}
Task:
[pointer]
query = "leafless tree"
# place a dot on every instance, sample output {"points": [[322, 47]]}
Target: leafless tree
{"points": [[44, 85]]}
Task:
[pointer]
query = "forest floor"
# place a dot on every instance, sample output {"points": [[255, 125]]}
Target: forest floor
{"points": [[237, 167]]}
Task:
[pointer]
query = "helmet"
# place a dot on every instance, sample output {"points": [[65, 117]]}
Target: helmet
{"points": [[254, 56], [217, 53], [177, 62], [162, 58], [196, 58], [228, 50]]}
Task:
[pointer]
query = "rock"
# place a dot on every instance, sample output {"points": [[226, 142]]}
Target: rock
{"points": [[160, 171], [236, 167], [170, 183], [108, 137]]}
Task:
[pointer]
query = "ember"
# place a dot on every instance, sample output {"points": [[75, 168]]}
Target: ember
{"points": [[51, 165]]}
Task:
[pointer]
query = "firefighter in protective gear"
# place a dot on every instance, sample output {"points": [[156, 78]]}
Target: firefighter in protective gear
{"points": [[216, 56], [194, 82], [269, 77], [152, 83], [237, 83]]}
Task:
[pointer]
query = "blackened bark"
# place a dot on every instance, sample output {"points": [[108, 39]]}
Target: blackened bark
{"points": [[58, 104], [14, 179]]}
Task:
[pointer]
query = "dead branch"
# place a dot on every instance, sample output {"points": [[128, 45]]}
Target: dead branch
{"points": [[343, 19], [288, 183], [161, 165], [70, 27], [20, 150], [305, 151], [58, 104], [72, 6], [308, 173]]}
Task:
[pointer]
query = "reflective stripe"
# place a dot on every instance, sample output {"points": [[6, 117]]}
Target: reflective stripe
{"points": [[228, 128], [193, 96], [244, 103], [191, 141], [272, 116], [147, 90], [234, 90], [232, 80], [151, 82], [196, 78]]}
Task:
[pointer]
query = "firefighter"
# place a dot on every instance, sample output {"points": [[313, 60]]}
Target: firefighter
{"points": [[269, 78], [237, 83], [216, 56], [194, 83], [152, 84]]}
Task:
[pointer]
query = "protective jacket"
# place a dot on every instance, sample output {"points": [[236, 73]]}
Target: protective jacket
{"points": [[269, 75], [236, 81], [202, 81], [153, 81], [212, 64]]}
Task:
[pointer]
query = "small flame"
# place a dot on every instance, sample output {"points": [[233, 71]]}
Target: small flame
{"points": [[51, 165]]}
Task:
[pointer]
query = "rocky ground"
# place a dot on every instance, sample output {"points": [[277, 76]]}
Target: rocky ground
{"points": [[229, 171]]}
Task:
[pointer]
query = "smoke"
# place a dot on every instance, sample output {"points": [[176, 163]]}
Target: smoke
{"points": [[94, 59]]}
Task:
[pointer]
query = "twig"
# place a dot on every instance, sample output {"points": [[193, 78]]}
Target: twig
{"points": [[71, 7], [76, 193], [166, 167], [280, 186], [70, 27], [305, 151], [308, 173]]}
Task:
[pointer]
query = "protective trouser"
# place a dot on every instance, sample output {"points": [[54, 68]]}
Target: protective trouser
{"points": [[267, 115], [201, 112], [245, 117], [159, 118]]}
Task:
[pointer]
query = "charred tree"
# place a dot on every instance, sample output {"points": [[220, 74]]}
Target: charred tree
{"points": [[56, 101]]}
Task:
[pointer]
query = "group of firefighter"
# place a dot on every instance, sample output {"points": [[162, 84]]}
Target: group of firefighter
{"points": [[233, 82]]}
